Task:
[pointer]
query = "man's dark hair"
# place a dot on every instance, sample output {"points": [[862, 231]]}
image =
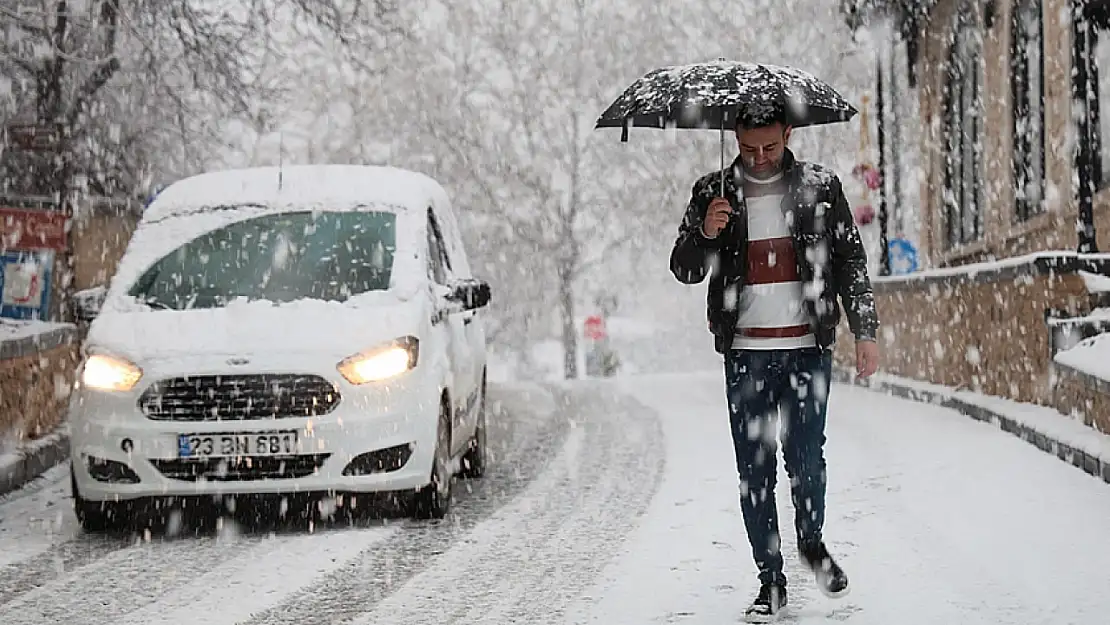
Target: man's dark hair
{"points": [[760, 114]]}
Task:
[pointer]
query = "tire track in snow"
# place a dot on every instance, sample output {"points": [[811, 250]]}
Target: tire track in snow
{"points": [[533, 558], [123, 580], [25, 576], [258, 580], [354, 589], [97, 580], [39, 538]]}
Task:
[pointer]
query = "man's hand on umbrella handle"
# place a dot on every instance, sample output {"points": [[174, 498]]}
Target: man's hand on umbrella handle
{"points": [[716, 218]]}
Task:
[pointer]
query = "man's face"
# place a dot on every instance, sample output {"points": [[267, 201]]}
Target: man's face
{"points": [[761, 148]]}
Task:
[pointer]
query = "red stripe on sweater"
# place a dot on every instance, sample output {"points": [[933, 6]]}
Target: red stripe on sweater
{"points": [[771, 261], [788, 332]]}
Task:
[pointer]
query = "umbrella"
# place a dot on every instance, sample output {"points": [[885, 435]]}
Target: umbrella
{"points": [[711, 95]]}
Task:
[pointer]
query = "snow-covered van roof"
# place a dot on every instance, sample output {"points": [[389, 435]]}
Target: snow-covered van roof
{"points": [[332, 187], [202, 203]]}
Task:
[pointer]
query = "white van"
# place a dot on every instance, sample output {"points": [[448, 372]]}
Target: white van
{"points": [[310, 329]]}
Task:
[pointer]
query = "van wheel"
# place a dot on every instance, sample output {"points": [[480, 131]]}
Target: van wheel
{"points": [[433, 501], [97, 516], [474, 461]]}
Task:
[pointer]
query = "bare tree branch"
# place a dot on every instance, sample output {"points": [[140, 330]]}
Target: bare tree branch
{"points": [[11, 56], [12, 17], [109, 18]]}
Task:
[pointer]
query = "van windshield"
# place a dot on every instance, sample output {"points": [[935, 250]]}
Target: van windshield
{"points": [[281, 258]]}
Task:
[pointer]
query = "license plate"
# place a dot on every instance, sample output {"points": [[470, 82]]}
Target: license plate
{"points": [[237, 444]]}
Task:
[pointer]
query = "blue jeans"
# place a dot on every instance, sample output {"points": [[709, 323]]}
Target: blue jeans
{"points": [[760, 384]]}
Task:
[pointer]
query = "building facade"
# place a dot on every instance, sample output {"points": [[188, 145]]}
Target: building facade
{"points": [[992, 137], [1009, 129]]}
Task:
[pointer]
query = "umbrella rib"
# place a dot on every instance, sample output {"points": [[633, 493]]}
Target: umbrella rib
{"points": [[773, 81]]}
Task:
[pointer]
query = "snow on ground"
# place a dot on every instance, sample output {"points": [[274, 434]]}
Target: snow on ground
{"points": [[936, 518], [615, 502], [35, 518], [643, 346], [258, 578], [528, 561]]}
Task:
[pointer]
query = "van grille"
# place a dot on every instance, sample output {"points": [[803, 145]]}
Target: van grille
{"points": [[239, 397]]}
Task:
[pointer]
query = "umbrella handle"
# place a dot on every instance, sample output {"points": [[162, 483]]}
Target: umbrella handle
{"points": [[722, 155], [722, 60]]}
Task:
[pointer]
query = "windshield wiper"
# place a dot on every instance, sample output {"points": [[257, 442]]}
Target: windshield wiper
{"points": [[153, 303]]}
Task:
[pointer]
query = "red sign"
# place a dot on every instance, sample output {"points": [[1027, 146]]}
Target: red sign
{"points": [[595, 328], [33, 137], [22, 229]]}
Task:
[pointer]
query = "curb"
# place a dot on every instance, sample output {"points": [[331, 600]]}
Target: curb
{"points": [[1076, 457], [42, 458]]}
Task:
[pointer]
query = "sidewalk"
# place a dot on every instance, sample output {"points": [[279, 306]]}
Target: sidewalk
{"points": [[1041, 426]]}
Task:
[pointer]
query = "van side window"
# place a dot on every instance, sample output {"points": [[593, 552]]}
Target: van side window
{"points": [[439, 265]]}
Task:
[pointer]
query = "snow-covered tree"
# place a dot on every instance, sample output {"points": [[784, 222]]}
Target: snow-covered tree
{"points": [[121, 84]]}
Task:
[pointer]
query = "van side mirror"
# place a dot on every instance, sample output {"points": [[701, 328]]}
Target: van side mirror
{"points": [[470, 294], [87, 303]]}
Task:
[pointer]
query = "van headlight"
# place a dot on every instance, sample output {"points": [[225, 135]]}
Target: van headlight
{"points": [[110, 373], [382, 363]]}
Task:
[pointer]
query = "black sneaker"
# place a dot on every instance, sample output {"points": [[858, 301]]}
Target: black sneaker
{"points": [[771, 599], [831, 579]]}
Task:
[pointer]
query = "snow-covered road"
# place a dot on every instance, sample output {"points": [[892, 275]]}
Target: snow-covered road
{"points": [[616, 502]]}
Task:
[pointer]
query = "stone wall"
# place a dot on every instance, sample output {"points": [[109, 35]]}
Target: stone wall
{"points": [[1077, 393], [36, 375], [980, 327]]}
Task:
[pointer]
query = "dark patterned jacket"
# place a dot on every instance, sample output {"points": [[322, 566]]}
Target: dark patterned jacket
{"points": [[830, 256]]}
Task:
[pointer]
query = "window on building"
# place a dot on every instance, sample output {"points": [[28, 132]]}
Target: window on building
{"points": [[1089, 56], [962, 129], [1090, 63], [1097, 67], [1027, 84]]}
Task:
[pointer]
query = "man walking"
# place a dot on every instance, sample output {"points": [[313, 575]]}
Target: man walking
{"points": [[779, 248]]}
